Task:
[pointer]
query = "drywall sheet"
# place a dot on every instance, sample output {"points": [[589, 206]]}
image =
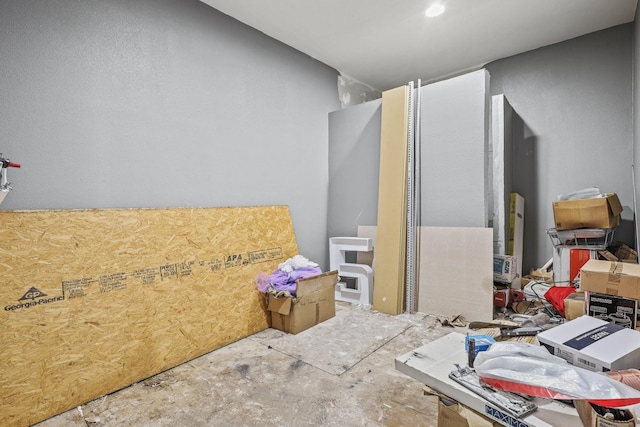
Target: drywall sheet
{"points": [[388, 292], [95, 300], [455, 123], [354, 158], [501, 148], [456, 272]]}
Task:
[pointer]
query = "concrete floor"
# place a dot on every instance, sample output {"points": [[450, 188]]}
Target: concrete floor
{"points": [[338, 373]]}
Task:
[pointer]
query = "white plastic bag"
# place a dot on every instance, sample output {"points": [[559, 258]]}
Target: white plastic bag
{"points": [[531, 369], [585, 193]]}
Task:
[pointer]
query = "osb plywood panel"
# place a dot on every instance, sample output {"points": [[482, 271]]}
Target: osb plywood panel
{"points": [[95, 300], [388, 291], [456, 272]]}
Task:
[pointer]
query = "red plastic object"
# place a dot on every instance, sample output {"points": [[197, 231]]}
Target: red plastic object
{"points": [[501, 298], [516, 295], [539, 391], [556, 295]]}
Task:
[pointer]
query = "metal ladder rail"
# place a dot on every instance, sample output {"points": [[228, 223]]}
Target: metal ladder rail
{"points": [[417, 194], [410, 282]]}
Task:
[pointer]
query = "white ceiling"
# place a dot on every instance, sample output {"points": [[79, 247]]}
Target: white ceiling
{"points": [[387, 43]]}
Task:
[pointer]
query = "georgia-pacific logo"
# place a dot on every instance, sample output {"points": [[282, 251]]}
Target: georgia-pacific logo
{"points": [[32, 294], [32, 298]]}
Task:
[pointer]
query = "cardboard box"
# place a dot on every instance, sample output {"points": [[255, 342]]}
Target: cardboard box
{"points": [[314, 303], [541, 274], [592, 415], [505, 268], [454, 414], [604, 254], [611, 278], [619, 252], [624, 253], [619, 310], [574, 305], [593, 344], [598, 212]]}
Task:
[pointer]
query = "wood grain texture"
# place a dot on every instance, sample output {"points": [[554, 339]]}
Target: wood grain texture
{"points": [[95, 300], [388, 292]]}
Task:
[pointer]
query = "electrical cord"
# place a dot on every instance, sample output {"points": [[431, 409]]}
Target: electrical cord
{"points": [[530, 290]]}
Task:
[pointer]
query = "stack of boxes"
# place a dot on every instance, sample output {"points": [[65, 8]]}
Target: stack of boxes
{"points": [[609, 293], [582, 228], [612, 291], [610, 287]]}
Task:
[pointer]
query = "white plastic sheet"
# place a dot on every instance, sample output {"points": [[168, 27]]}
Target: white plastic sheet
{"points": [[531, 369]]}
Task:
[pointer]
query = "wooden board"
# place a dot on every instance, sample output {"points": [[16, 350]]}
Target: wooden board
{"points": [[388, 291], [456, 272], [95, 300]]}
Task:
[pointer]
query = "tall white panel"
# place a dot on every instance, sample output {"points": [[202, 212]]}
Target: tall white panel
{"points": [[502, 173], [454, 151]]}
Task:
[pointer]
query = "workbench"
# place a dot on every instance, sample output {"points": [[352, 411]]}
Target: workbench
{"points": [[432, 363]]}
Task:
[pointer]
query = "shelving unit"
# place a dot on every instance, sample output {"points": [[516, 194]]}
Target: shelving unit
{"points": [[582, 238]]}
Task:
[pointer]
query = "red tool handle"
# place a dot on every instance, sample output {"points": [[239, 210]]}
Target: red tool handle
{"points": [[13, 165]]}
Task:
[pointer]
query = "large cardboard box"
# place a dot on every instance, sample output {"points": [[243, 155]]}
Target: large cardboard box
{"points": [[594, 344], [314, 303], [598, 212], [610, 277]]}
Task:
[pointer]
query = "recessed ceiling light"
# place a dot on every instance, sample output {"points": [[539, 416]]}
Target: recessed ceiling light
{"points": [[434, 10]]}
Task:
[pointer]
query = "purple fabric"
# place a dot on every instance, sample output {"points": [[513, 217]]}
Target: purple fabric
{"points": [[282, 281], [262, 282]]}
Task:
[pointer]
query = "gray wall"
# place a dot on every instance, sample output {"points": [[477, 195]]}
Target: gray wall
{"points": [[354, 165], [161, 103], [574, 99], [636, 110]]}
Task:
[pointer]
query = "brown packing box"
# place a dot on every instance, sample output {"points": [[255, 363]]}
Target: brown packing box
{"points": [[598, 212], [606, 255], [540, 274], [315, 302], [574, 305], [619, 252], [610, 277], [592, 418], [454, 414], [625, 253]]}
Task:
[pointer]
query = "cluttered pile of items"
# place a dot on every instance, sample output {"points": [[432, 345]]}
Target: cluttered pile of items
{"points": [[587, 361], [579, 322], [584, 252]]}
